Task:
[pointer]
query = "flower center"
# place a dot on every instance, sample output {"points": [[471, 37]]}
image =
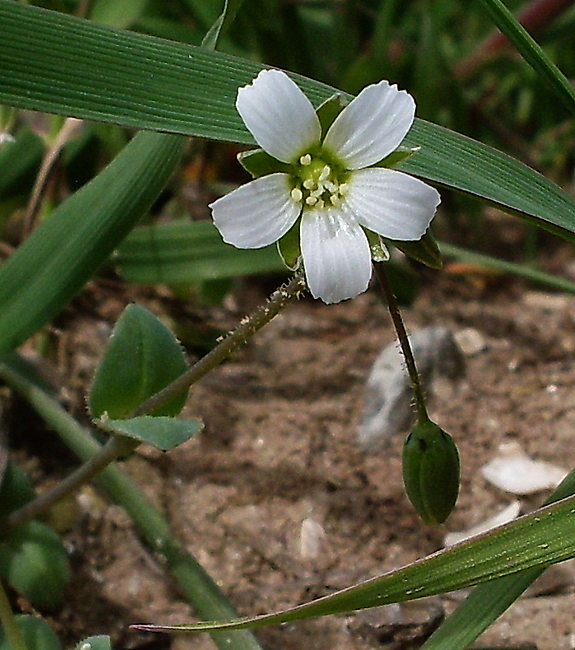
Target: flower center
{"points": [[317, 184]]}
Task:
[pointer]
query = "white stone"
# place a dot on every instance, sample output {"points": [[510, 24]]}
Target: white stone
{"points": [[514, 471], [502, 517]]}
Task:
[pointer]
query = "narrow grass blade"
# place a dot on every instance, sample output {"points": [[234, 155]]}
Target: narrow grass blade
{"points": [[537, 540], [188, 252], [487, 602], [68, 247], [62, 64], [532, 52]]}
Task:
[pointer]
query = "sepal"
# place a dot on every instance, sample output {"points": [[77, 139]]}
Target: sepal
{"points": [[425, 250], [398, 156], [289, 247], [258, 162], [329, 110], [379, 251]]}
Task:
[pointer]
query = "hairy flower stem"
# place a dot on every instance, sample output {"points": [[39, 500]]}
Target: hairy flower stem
{"points": [[240, 336], [118, 445], [9, 624], [403, 338]]}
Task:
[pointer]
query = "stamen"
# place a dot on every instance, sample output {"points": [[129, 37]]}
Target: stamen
{"points": [[296, 194], [319, 185]]}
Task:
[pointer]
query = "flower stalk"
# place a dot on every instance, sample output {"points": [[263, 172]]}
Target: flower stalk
{"points": [[403, 338]]}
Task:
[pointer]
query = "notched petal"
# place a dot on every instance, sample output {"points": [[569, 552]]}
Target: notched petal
{"points": [[372, 126], [336, 255], [391, 203], [279, 116], [256, 214]]}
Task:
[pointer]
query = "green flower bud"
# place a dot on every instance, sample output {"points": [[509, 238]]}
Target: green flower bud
{"points": [[431, 471]]}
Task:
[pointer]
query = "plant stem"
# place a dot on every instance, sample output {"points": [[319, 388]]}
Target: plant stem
{"points": [[114, 448], [247, 328], [199, 588], [403, 338], [118, 445], [10, 626]]}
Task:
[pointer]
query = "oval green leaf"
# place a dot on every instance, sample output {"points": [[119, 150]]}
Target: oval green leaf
{"points": [[165, 433], [141, 359], [36, 632], [34, 561], [100, 642]]}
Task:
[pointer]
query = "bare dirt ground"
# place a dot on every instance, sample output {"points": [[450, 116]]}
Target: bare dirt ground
{"points": [[276, 501]]}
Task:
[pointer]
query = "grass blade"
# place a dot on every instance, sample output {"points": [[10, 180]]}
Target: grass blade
{"points": [[63, 253]]}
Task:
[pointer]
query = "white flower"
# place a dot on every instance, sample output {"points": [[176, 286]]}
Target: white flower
{"points": [[328, 183]]}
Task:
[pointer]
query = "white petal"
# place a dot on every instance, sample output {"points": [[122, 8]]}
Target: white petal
{"points": [[256, 214], [391, 203], [279, 116], [336, 255], [371, 126]]}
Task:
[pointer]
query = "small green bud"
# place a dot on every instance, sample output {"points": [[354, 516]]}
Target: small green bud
{"points": [[431, 471]]}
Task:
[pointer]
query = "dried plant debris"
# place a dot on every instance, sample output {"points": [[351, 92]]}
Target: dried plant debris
{"points": [[388, 397], [514, 471]]}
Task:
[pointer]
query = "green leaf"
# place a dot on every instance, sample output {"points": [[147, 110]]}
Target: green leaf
{"points": [[15, 490], [532, 52], [62, 64], [425, 250], [188, 252], [72, 243], [536, 540], [142, 357], [258, 163], [19, 163], [231, 8], [503, 266], [100, 642], [193, 581], [165, 433], [488, 601], [34, 562], [37, 634], [117, 13]]}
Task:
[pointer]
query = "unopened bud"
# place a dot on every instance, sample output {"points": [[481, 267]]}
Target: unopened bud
{"points": [[431, 471]]}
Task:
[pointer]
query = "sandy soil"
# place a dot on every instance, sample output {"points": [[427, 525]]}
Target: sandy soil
{"points": [[275, 499]]}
